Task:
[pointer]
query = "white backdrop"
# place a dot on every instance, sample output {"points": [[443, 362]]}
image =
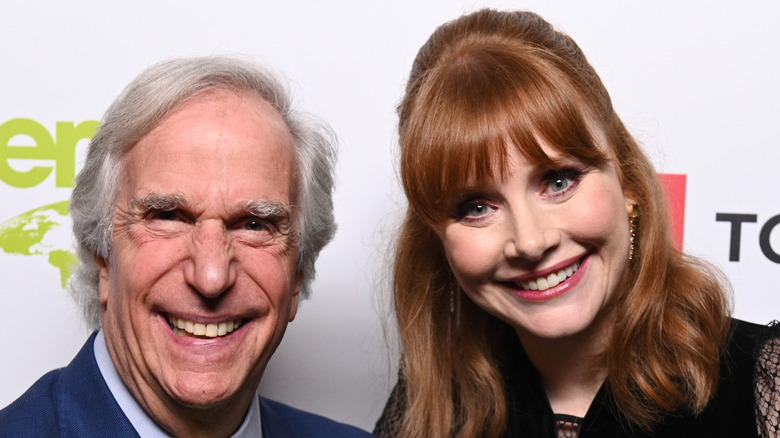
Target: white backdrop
{"points": [[697, 82]]}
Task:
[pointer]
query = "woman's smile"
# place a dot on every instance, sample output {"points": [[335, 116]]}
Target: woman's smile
{"points": [[544, 281]]}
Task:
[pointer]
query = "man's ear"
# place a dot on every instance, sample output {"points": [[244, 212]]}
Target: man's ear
{"points": [[103, 279], [296, 294]]}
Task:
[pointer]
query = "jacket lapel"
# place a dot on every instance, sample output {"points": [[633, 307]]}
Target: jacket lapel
{"points": [[85, 404]]}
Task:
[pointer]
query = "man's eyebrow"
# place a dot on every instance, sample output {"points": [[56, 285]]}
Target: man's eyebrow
{"points": [[268, 209], [157, 201]]}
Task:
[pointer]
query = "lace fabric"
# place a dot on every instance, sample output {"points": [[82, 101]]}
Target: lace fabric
{"points": [[567, 426], [767, 391]]}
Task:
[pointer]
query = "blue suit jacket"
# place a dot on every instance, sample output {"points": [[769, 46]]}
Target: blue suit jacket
{"points": [[75, 402]]}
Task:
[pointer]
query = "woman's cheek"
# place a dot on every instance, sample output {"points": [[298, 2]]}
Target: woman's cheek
{"points": [[472, 253], [601, 218]]}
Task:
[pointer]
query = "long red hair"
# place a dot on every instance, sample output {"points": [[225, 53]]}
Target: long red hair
{"points": [[492, 80]]}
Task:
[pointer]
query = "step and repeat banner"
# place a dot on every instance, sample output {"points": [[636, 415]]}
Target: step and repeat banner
{"points": [[696, 82]]}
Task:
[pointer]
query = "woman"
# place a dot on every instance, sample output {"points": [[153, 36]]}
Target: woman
{"points": [[537, 289]]}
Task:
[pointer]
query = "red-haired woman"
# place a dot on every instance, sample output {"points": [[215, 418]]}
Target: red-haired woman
{"points": [[536, 286]]}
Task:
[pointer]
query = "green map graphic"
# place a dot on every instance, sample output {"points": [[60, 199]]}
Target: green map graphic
{"points": [[26, 234]]}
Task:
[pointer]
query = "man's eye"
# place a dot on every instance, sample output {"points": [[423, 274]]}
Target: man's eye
{"points": [[166, 215], [163, 215], [254, 225], [257, 231]]}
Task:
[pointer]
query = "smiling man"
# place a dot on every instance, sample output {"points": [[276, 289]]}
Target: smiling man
{"points": [[200, 211]]}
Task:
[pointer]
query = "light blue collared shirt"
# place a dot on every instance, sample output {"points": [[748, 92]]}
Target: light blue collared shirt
{"points": [[141, 421]]}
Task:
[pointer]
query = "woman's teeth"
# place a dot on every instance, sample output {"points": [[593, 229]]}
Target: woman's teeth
{"points": [[551, 280], [185, 327]]}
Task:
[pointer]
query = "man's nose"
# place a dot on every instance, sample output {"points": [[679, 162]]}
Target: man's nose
{"points": [[212, 271], [532, 232]]}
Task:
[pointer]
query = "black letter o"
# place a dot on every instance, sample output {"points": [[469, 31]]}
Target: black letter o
{"points": [[763, 239]]}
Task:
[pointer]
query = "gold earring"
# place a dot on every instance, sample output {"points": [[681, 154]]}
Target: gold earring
{"points": [[633, 222], [452, 299]]}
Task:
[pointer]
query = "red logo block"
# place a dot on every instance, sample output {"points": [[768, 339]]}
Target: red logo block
{"points": [[674, 185]]}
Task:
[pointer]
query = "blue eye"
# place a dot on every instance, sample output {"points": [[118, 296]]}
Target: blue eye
{"points": [[473, 210], [559, 184], [477, 209], [561, 181]]}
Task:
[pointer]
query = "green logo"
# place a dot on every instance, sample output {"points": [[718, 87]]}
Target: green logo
{"points": [[61, 149], [42, 231], [31, 234]]}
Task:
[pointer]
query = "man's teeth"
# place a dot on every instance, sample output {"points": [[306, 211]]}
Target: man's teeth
{"points": [[551, 280], [185, 327]]}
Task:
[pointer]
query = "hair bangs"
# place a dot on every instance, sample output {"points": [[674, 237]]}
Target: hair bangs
{"points": [[470, 109]]}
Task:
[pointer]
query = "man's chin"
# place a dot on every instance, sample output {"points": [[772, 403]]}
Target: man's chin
{"points": [[208, 393]]}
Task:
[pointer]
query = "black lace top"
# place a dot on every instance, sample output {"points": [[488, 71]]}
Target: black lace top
{"points": [[747, 403]]}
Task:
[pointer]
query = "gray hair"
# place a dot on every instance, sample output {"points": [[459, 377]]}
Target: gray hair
{"points": [[143, 104]]}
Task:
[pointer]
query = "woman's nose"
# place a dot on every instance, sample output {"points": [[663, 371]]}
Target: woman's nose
{"points": [[532, 233], [212, 271]]}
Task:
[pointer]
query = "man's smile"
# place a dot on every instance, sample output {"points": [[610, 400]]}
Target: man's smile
{"points": [[185, 327]]}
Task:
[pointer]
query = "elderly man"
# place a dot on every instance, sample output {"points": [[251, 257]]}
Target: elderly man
{"points": [[199, 213]]}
